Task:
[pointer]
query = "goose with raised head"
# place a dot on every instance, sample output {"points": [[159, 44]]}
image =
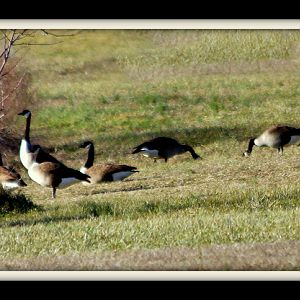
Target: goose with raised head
{"points": [[275, 137], [103, 172], [9, 177], [27, 149], [164, 148], [54, 175]]}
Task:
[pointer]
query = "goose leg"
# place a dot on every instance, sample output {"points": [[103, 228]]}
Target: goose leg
{"points": [[280, 150], [53, 192]]}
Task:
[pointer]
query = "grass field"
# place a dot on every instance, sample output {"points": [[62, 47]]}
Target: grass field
{"points": [[212, 89]]}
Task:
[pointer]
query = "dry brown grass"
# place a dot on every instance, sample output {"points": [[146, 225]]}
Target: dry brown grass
{"points": [[282, 256], [229, 68]]}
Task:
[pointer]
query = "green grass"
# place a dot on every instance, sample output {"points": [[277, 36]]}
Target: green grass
{"points": [[121, 224], [192, 47], [211, 89]]}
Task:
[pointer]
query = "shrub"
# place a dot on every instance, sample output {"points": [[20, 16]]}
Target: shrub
{"points": [[14, 203]]}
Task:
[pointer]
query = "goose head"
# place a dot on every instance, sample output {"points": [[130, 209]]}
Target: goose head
{"points": [[86, 144], [26, 113]]}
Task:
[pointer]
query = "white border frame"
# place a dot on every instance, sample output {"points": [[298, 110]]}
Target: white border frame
{"points": [[149, 24], [150, 275]]}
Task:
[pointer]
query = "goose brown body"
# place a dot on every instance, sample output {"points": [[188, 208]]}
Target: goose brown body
{"points": [[9, 177], [54, 175], [275, 137], [104, 172]]}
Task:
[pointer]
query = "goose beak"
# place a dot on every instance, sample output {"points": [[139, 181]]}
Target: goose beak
{"points": [[22, 183]]}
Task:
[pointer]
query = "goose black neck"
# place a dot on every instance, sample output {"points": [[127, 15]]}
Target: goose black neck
{"points": [[191, 150], [91, 155], [27, 129], [1, 162], [250, 146]]}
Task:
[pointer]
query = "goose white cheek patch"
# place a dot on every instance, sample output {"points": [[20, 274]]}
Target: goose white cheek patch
{"points": [[83, 170]]}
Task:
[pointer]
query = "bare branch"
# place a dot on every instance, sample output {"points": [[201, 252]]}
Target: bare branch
{"points": [[2, 53], [27, 34], [37, 44], [8, 40], [13, 33], [6, 53], [13, 67], [57, 35], [18, 36], [10, 92], [5, 36]]}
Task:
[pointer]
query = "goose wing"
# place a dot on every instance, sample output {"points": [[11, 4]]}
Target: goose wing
{"points": [[44, 156], [104, 172], [8, 175]]}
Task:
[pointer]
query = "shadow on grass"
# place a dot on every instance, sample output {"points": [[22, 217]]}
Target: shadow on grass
{"points": [[210, 204], [194, 136], [15, 203], [86, 209], [131, 189], [41, 220]]}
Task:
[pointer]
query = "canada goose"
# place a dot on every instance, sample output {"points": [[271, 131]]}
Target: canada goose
{"points": [[164, 148], [54, 175], [27, 150], [9, 178], [275, 137], [103, 172]]}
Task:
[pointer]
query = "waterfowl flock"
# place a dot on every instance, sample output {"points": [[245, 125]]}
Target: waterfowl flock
{"points": [[47, 171]]}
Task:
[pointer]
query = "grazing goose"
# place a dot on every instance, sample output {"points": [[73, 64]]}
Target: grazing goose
{"points": [[54, 175], [27, 150], [164, 148], [9, 178], [103, 172], [275, 137]]}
